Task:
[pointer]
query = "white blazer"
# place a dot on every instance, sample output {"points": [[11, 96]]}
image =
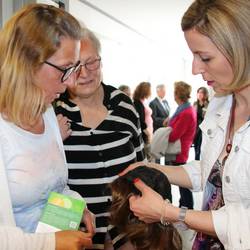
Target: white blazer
{"points": [[232, 221]]}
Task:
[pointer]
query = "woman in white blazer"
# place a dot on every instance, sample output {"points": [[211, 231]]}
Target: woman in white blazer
{"points": [[218, 34]]}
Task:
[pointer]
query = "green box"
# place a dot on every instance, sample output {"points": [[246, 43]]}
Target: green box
{"points": [[61, 212]]}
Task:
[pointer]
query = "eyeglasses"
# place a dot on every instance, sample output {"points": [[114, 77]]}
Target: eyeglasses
{"points": [[66, 72], [92, 65]]}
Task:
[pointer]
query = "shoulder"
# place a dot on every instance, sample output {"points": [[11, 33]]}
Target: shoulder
{"points": [[50, 113], [153, 102], [219, 104], [189, 114], [188, 111]]}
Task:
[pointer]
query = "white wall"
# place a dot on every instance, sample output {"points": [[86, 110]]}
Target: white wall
{"points": [[158, 54]]}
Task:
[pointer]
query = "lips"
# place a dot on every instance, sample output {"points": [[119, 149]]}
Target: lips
{"points": [[210, 83], [84, 82]]}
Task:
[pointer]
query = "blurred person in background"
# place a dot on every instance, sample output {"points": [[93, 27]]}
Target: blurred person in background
{"points": [[200, 105], [183, 124], [160, 108], [140, 97], [126, 89]]}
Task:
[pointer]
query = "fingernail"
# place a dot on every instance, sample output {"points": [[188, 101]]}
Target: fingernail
{"points": [[136, 180]]}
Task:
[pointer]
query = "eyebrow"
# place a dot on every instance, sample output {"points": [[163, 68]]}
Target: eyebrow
{"points": [[200, 52]]}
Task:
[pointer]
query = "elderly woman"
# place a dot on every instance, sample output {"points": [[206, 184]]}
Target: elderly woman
{"points": [[183, 124], [105, 136]]}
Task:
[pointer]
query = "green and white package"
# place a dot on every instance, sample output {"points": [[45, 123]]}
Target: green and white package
{"points": [[61, 212]]}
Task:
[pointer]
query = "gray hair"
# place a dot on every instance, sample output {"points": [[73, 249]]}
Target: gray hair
{"points": [[89, 35], [160, 86]]}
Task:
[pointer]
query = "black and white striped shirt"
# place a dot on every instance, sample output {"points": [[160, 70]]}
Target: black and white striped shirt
{"points": [[96, 156]]}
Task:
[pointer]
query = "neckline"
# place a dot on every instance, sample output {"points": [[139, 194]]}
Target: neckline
{"points": [[230, 131]]}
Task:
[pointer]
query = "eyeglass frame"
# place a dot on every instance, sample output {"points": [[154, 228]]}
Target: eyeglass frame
{"points": [[75, 69], [87, 63]]}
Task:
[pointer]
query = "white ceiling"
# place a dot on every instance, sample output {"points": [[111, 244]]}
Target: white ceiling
{"points": [[143, 38], [154, 19], [130, 20]]}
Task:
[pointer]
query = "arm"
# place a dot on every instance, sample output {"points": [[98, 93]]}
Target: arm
{"points": [[231, 223], [177, 175], [150, 207], [13, 238]]}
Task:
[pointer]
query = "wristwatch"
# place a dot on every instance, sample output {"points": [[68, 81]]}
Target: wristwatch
{"points": [[180, 224]]}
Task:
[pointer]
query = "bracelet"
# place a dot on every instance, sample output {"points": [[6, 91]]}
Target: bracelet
{"points": [[182, 214], [163, 220], [180, 224]]}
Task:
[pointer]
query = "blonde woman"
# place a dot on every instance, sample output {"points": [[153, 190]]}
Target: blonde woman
{"points": [[105, 137], [218, 34], [39, 58]]}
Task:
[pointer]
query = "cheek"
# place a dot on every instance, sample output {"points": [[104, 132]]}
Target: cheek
{"points": [[226, 74], [97, 75], [222, 71]]}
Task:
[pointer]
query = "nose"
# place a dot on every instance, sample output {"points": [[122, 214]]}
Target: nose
{"points": [[197, 66], [71, 81], [83, 72]]}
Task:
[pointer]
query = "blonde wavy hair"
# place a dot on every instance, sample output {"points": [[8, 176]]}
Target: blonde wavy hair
{"points": [[30, 37]]}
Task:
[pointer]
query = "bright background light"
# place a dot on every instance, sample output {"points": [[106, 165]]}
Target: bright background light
{"points": [[141, 40]]}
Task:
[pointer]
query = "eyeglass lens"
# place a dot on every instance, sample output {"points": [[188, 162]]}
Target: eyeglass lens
{"points": [[71, 70], [93, 65]]}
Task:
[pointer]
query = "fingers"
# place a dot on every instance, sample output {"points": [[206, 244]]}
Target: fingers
{"points": [[86, 240], [74, 240], [63, 120], [140, 185], [131, 167], [64, 125], [59, 117], [89, 221]]}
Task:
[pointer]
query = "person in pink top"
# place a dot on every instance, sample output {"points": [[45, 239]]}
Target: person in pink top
{"points": [[183, 123]]}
